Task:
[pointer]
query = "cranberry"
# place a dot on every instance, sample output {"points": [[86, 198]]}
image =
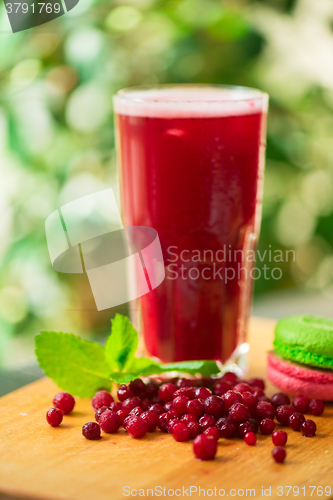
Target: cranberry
{"points": [[131, 403], [212, 432], [145, 404], [124, 392], [166, 391], [189, 392], [195, 429], [125, 421], [239, 412], [138, 387], [203, 392], [255, 424], [265, 410], [98, 413], [279, 438], [115, 406], [316, 407], [54, 417], [122, 414], [151, 418], [220, 387], [195, 407], [263, 398], [180, 432], [301, 404], [189, 417], [250, 438], [101, 398], [168, 406], [280, 398], [137, 427], [179, 405], [257, 382], [295, 421], [204, 447], [227, 427], [243, 387], [206, 382], [308, 428], [267, 426], [214, 405], [109, 422], [136, 411], [283, 413], [258, 392], [156, 400], [230, 398], [243, 428], [91, 431], [207, 421], [64, 402], [157, 408], [171, 423], [184, 382], [230, 377], [172, 414], [151, 389], [249, 400], [163, 421], [279, 454]]}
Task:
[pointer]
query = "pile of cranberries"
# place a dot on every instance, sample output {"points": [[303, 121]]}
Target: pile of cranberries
{"points": [[200, 409]]}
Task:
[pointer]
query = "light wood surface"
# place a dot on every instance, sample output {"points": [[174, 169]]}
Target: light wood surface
{"points": [[41, 462]]}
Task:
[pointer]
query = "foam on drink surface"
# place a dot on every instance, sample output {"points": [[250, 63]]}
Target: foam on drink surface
{"points": [[190, 102]]}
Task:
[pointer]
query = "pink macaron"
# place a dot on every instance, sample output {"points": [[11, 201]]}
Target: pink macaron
{"points": [[302, 360], [296, 379]]}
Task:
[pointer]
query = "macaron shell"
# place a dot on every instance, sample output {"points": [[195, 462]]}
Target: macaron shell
{"points": [[299, 371], [296, 380], [305, 339]]}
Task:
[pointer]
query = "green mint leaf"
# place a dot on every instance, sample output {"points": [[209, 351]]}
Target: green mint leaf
{"points": [[123, 378], [137, 367], [76, 365], [141, 367], [144, 366], [122, 344], [205, 368]]}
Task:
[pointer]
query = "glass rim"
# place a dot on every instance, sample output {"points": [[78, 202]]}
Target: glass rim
{"points": [[129, 94]]}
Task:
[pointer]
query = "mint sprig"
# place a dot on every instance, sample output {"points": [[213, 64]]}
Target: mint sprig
{"points": [[76, 365], [83, 367], [122, 343]]}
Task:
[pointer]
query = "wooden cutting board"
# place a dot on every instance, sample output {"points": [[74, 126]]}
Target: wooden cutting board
{"points": [[41, 462]]}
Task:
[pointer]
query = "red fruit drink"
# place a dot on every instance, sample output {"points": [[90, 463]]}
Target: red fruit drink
{"points": [[191, 164]]}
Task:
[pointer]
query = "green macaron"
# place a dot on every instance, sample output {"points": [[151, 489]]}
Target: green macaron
{"points": [[305, 339]]}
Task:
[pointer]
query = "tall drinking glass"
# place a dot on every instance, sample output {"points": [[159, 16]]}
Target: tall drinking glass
{"points": [[191, 161]]}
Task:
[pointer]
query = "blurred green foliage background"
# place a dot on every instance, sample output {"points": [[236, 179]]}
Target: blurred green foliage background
{"points": [[57, 138]]}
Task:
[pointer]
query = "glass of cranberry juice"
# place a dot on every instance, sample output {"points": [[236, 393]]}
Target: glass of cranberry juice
{"points": [[191, 160]]}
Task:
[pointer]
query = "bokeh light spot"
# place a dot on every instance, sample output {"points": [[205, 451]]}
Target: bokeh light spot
{"points": [[123, 18]]}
